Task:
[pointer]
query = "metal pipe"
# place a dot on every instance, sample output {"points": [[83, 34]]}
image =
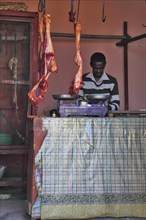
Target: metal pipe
{"points": [[89, 36], [129, 40], [136, 38], [126, 70], [67, 35]]}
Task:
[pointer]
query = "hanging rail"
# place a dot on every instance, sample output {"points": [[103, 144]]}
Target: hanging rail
{"points": [[89, 36], [67, 35], [129, 40]]}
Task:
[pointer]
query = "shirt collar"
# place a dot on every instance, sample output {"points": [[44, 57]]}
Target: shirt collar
{"points": [[104, 77]]}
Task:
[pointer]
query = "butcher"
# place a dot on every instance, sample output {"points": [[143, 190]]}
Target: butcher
{"points": [[98, 81]]}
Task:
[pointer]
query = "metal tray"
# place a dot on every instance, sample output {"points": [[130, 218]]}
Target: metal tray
{"points": [[97, 97], [65, 97]]}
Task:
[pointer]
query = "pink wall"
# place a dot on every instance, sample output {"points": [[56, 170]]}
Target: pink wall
{"points": [[117, 11]]}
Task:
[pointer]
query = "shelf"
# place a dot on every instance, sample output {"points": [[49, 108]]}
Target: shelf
{"points": [[12, 181], [19, 149], [15, 82], [14, 38], [19, 39]]}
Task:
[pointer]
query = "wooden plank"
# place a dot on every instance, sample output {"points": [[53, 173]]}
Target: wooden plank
{"points": [[13, 150], [12, 182]]}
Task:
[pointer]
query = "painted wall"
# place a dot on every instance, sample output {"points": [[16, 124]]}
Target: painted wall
{"points": [[90, 15]]}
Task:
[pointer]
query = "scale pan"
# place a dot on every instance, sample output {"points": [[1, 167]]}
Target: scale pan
{"points": [[65, 97], [97, 97]]}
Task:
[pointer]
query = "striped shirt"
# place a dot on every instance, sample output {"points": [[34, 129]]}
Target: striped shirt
{"points": [[107, 85]]}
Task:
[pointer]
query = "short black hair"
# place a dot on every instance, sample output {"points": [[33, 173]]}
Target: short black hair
{"points": [[98, 57]]}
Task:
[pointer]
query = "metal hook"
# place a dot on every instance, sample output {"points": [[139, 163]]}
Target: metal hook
{"points": [[143, 25], [78, 9], [41, 5], [72, 13], [103, 14]]}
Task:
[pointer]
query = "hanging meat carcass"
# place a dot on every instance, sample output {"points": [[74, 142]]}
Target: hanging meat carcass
{"points": [[77, 82], [47, 62]]}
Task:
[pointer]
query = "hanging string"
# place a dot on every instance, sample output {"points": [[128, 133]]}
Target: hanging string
{"points": [[41, 5]]}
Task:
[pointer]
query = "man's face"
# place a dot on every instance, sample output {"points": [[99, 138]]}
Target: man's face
{"points": [[98, 69]]}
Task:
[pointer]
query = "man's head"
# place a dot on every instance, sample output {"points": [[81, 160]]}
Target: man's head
{"points": [[98, 62]]}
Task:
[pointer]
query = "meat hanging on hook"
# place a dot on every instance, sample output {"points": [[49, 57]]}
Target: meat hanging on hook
{"points": [[78, 59], [77, 83], [47, 62]]}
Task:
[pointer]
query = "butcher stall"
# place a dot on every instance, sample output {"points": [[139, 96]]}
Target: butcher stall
{"points": [[82, 162]]}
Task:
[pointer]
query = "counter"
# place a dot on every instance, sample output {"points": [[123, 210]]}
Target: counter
{"points": [[90, 167]]}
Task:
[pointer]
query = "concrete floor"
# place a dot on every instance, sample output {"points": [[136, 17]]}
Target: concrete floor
{"points": [[13, 210], [12, 206]]}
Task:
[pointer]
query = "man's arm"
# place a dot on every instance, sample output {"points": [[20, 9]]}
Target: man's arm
{"points": [[114, 103]]}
